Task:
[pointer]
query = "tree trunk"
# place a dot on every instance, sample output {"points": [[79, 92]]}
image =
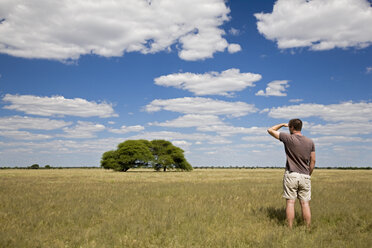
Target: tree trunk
{"points": [[165, 168]]}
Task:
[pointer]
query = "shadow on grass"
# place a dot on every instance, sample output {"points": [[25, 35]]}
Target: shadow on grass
{"points": [[279, 215]]}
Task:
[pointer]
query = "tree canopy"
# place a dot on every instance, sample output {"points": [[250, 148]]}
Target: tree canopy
{"points": [[168, 156], [160, 154]]}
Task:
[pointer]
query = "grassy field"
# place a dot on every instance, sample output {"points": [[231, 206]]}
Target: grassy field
{"points": [[202, 208]]}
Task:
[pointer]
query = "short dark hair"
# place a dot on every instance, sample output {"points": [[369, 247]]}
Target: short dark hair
{"points": [[296, 124]]}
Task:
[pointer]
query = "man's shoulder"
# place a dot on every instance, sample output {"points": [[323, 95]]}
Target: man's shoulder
{"points": [[308, 139]]}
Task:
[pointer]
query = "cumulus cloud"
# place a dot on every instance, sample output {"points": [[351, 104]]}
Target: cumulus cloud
{"points": [[199, 105], [331, 140], [369, 69], [209, 123], [65, 29], [228, 130], [234, 31], [191, 120], [25, 122], [296, 100], [83, 129], [274, 88], [62, 146], [345, 128], [125, 129], [318, 24], [234, 48], [57, 105], [174, 136], [346, 111], [183, 144], [24, 135], [210, 83], [258, 138]]}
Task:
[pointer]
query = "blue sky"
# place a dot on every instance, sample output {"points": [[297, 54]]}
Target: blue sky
{"points": [[77, 78]]}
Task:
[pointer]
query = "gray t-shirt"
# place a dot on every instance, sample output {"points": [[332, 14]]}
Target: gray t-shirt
{"points": [[298, 149]]}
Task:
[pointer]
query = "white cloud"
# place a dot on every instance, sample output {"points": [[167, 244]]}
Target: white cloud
{"points": [[344, 128], [208, 123], [346, 111], [65, 29], [234, 48], [23, 135], [296, 100], [211, 83], [25, 122], [173, 136], [275, 88], [228, 130], [369, 69], [183, 144], [57, 105], [62, 146], [191, 120], [259, 139], [125, 129], [318, 24], [198, 105], [332, 140], [234, 31], [83, 129]]}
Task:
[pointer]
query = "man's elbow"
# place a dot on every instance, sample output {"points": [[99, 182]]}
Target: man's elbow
{"points": [[273, 133]]}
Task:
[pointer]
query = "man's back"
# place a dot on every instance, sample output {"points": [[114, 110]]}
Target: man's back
{"points": [[298, 149]]}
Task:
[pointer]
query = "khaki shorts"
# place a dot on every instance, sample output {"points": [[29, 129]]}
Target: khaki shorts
{"points": [[296, 185]]}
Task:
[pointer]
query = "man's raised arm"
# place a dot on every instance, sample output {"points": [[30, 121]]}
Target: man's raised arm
{"points": [[273, 131]]}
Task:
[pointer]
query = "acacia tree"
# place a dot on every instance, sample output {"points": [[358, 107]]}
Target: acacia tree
{"points": [[108, 160], [161, 154], [168, 156], [130, 154]]}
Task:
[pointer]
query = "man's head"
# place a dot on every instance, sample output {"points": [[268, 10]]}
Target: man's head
{"points": [[295, 125]]}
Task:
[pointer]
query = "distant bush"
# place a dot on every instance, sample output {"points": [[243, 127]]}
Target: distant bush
{"points": [[47, 166], [34, 166]]}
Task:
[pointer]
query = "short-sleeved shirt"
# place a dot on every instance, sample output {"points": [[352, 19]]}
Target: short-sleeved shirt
{"points": [[298, 149]]}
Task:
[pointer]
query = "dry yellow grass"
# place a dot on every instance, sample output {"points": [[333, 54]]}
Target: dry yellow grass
{"points": [[202, 208]]}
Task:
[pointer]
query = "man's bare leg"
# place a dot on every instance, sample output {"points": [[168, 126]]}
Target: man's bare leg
{"points": [[306, 213], [290, 212]]}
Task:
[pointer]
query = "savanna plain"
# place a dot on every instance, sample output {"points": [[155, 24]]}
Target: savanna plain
{"points": [[201, 208]]}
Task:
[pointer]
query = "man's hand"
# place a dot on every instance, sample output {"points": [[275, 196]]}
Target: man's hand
{"points": [[273, 131]]}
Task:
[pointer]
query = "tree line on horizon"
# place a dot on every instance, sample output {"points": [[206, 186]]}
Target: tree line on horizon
{"points": [[158, 154]]}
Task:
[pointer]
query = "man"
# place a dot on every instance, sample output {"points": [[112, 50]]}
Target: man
{"points": [[300, 152]]}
